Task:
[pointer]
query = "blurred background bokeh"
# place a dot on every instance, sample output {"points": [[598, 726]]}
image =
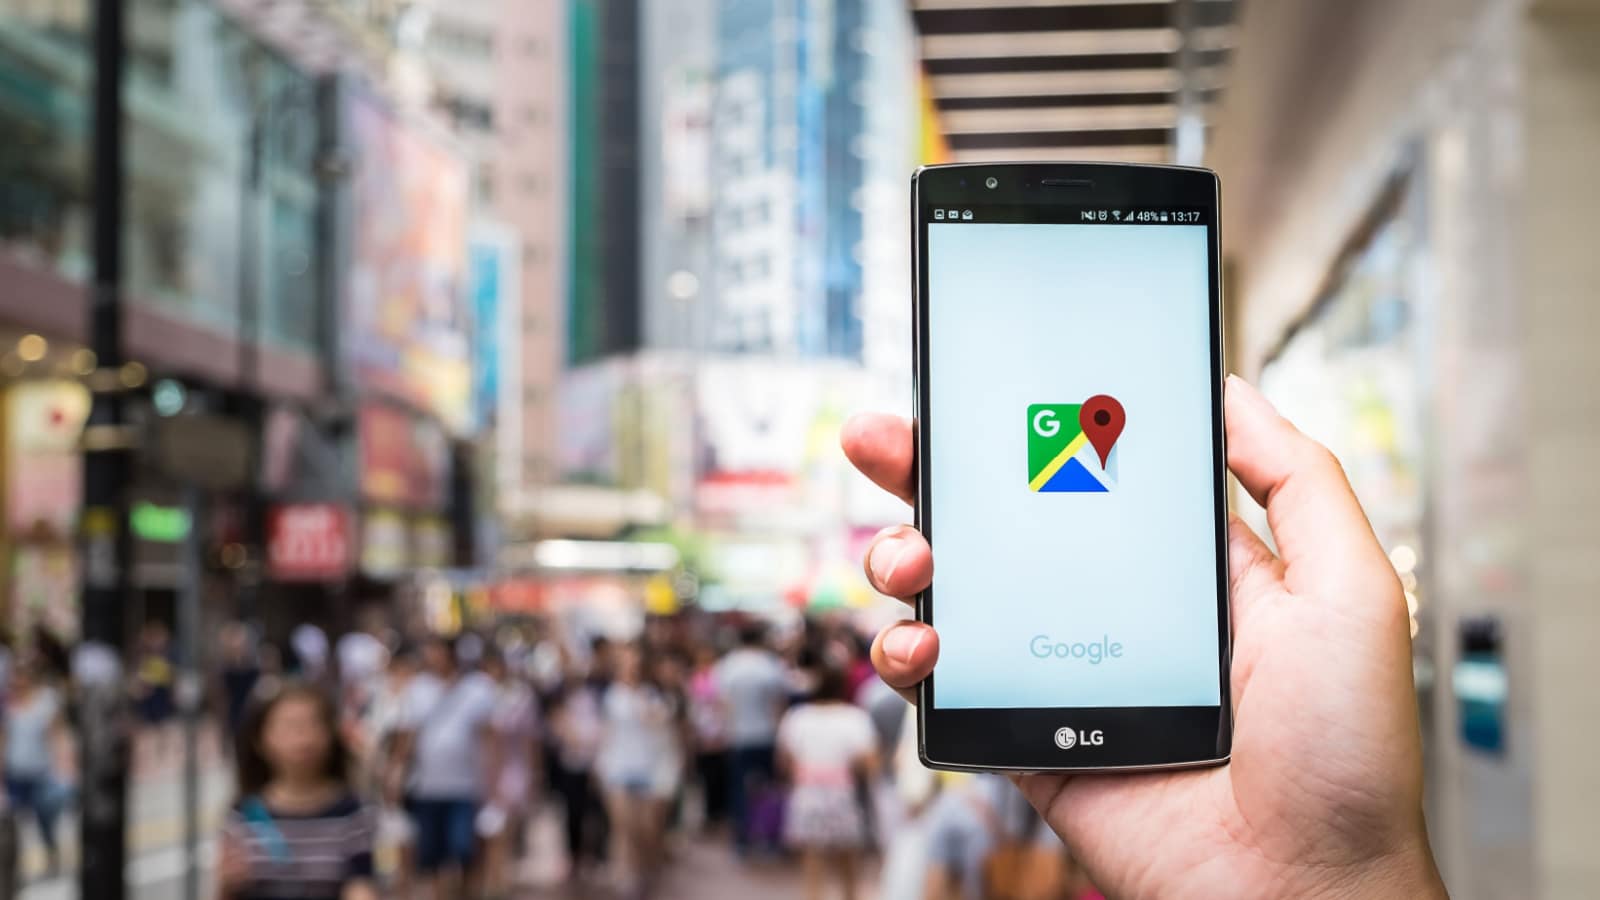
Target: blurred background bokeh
{"points": [[544, 315]]}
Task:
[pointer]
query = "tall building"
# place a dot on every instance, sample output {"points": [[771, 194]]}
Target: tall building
{"points": [[678, 58], [789, 162], [890, 150], [531, 193], [604, 311], [498, 71], [844, 119]]}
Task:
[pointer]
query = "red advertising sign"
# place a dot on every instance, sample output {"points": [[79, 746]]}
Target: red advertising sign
{"points": [[309, 542], [519, 595]]}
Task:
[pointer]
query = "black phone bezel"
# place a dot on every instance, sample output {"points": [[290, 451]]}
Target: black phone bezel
{"points": [[1025, 739]]}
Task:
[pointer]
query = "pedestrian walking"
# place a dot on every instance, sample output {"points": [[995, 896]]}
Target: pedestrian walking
{"points": [[374, 748], [754, 688], [361, 656], [709, 720], [640, 767], [33, 728], [298, 829], [443, 744], [503, 821], [575, 733], [827, 748], [154, 680], [238, 674]]}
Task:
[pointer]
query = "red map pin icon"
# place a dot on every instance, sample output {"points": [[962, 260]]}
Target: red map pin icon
{"points": [[1101, 418]]}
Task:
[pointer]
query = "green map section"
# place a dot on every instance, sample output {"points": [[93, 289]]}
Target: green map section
{"points": [[1041, 449]]}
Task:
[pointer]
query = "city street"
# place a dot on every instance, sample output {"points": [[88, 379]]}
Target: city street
{"points": [[155, 838], [701, 871], [519, 422], [704, 870]]}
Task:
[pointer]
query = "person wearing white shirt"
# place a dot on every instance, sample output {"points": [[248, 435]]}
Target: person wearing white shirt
{"points": [[754, 688], [827, 747], [443, 745]]}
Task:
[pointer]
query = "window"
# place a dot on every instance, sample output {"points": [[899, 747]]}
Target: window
{"points": [[469, 113], [461, 41]]}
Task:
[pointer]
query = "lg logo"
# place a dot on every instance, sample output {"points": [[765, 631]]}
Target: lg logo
{"points": [[1066, 738]]}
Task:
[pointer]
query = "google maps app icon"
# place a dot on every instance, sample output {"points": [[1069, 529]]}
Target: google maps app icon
{"points": [[1072, 446]]}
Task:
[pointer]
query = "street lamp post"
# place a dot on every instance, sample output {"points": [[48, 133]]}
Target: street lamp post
{"points": [[103, 715]]}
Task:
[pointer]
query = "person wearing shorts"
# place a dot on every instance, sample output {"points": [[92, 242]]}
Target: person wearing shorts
{"points": [[640, 766], [446, 833], [445, 739]]}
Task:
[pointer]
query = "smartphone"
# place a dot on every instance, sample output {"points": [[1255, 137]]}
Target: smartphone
{"points": [[1071, 472]]}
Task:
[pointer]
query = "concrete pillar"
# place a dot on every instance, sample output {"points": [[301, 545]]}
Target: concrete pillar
{"points": [[1559, 275]]}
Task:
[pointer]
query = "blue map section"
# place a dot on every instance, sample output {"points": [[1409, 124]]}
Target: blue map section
{"points": [[1073, 478]]}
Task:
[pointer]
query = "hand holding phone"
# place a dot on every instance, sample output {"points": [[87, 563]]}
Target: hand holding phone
{"points": [[1324, 793], [1068, 350]]}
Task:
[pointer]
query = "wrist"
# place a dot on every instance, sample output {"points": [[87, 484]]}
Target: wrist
{"points": [[1405, 873]]}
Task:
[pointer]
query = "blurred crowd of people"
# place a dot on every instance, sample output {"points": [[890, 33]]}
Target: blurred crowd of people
{"points": [[386, 763]]}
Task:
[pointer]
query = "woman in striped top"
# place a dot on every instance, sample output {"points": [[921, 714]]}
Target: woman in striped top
{"points": [[298, 830]]}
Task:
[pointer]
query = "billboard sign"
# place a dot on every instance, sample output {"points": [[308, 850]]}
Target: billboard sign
{"points": [[493, 259], [407, 323], [405, 459]]}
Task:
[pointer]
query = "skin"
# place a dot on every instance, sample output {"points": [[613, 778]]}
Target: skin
{"points": [[1323, 797]]}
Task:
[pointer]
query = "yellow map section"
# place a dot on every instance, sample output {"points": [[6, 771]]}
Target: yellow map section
{"points": [[1049, 471]]}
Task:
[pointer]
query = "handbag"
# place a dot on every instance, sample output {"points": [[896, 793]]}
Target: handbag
{"points": [[1019, 867], [1024, 870], [768, 806]]}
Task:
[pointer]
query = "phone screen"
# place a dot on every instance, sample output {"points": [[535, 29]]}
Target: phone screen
{"points": [[1070, 394]]}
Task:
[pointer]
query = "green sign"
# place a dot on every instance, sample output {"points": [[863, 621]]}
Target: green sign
{"points": [[159, 524]]}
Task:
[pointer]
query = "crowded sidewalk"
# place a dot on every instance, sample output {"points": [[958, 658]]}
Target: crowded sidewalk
{"points": [[701, 756]]}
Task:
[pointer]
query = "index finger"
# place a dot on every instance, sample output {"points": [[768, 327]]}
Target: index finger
{"points": [[882, 447], [1323, 536]]}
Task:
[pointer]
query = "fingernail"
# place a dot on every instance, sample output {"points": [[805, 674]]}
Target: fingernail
{"points": [[901, 642], [886, 557], [1247, 392]]}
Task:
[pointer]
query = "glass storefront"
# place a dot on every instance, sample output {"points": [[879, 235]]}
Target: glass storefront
{"points": [[199, 95], [1408, 366], [1354, 375]]}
